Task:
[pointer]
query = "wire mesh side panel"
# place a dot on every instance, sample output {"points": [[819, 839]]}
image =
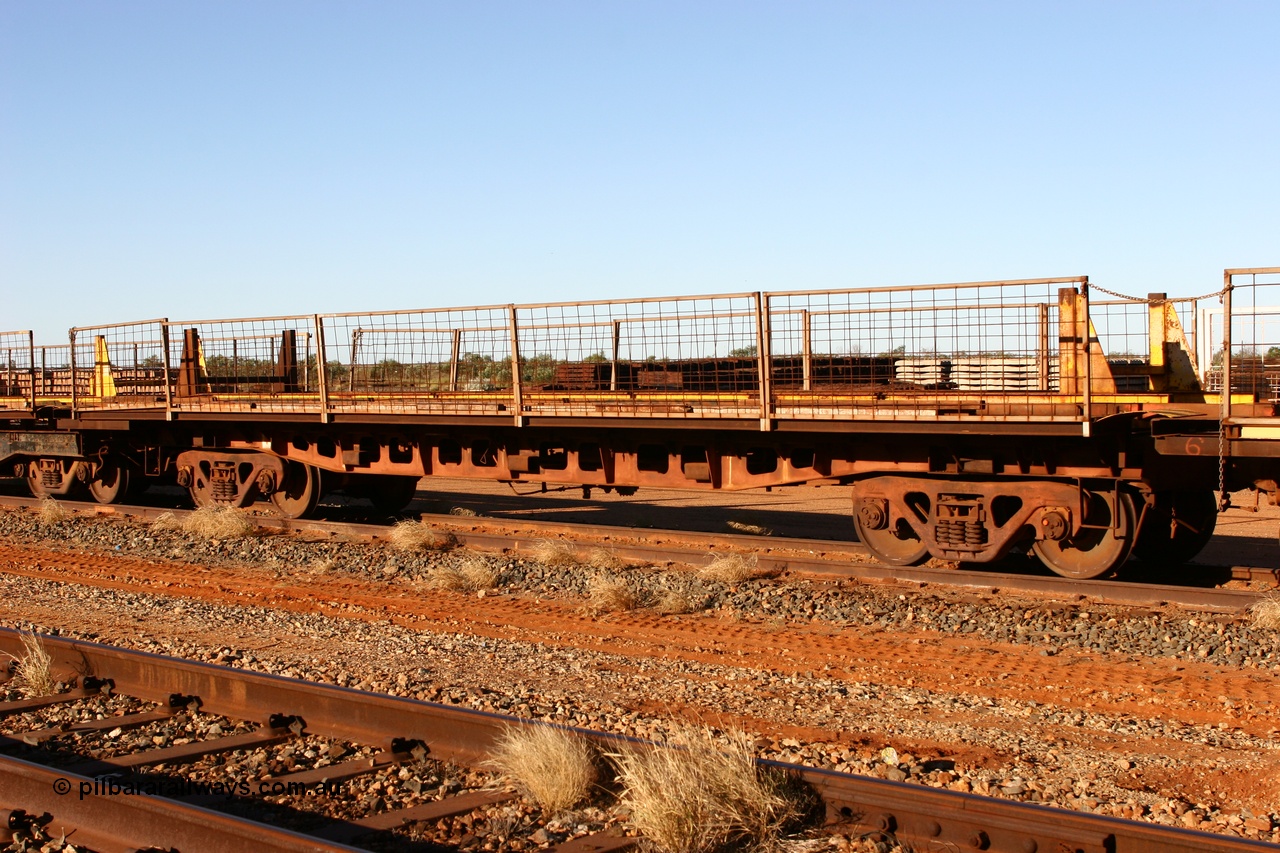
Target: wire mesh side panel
{"points": [[17, 378], [438, 361], [988, 351], [1123, 329], [265, 364], [52, 371], [117, 366], [690, 357], [1255, 337]]}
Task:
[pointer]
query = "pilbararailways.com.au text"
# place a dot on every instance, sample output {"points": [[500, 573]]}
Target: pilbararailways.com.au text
{"points": [[133, 786]]}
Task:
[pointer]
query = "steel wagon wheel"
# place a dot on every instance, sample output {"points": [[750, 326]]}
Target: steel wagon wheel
{"points": [[300, 492], [112, 482], [895, 545], [1177, 526], [1098, 548]]}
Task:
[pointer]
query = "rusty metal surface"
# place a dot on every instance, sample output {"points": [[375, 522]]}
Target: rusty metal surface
{"points": [[908, 813], [100, 821], [1034, 350], [31, 443], [436, 810], [451, 733], [935, 819]]}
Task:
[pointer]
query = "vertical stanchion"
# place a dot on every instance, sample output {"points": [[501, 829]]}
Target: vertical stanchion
{"points": [[1224, 399], [1226, 347], [613, 364], [455, 352], [806, 349], [1086, 344], [31, 347], [168, 385], [517, 397], [322, 369], [74, 394], [355, 347], [764, 362], [1042, 359]]}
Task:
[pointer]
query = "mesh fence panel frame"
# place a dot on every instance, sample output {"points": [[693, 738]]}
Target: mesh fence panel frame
{"points": [[248, 364], [441, 361], [17, 371], [984, 351], [926, 353], [117, 366], [1254, 336]]}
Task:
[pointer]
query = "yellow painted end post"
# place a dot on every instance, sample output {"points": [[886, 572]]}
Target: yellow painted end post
{"points": [[104, 385], [1172, 361], [1069, 373], [1080, 356]]}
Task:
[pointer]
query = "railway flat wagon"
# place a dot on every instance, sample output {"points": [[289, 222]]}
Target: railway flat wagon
{"points": [[970, 418]]}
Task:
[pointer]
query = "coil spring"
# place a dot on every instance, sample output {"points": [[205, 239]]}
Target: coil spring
{"points": [[956, 532], [222, 483]]}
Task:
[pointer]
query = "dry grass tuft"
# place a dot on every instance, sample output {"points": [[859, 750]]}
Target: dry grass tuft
{"points": [[673, 602], [216, 522], [679, 594], [1266, 611], [472, 574], [416, 536], [463, 511], [34, 675], [166, 521], [52, 512], [701, 794], [605, 560], [749, 529], [730, 568], [208, 522], [552, 552], [607, 594], [552, 766]]}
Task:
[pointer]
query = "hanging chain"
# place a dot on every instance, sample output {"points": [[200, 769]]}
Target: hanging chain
{"points": [[1151, 301], [1224, 499]]}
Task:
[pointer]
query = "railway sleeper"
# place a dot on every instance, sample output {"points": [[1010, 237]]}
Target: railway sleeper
{"points": [[1079, 530]]}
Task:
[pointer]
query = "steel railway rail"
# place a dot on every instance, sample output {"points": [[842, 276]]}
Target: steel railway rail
{"points": [[774, 555], [64, 801], [971, 419]]}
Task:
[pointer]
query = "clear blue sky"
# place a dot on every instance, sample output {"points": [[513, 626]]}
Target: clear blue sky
{"points": [[190, 160]]}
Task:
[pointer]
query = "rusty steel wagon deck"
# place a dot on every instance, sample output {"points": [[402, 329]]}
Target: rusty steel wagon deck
{"points": [[970, 416]]}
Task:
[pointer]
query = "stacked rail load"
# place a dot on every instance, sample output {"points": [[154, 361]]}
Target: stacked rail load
{"points": [[971, 419]]}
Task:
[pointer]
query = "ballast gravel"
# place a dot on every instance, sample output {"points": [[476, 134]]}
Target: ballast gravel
{"points": [[625, 695], [1226, 640]]}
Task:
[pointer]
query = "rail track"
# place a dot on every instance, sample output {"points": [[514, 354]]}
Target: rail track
{"points": [[820, 558], [77, 800]]}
